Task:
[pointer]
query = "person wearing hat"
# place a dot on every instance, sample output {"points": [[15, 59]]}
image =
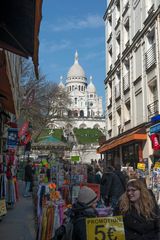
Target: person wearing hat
{"points": [[85, 207]]}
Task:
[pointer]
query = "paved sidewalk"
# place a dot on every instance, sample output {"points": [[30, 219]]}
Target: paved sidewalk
{"points": [[19, 224]]}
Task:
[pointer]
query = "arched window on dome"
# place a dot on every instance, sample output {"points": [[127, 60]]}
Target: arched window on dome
{"points": [[72, 87], [75, 113], [79, 88], [75, 101], [81, 113]]}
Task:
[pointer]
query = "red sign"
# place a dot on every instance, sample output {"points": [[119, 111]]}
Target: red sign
{"points": [[27, 139], [23, 129], [155, 141]]}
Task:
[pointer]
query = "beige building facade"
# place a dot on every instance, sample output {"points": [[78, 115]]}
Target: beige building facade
{"points": [[132, 78]]}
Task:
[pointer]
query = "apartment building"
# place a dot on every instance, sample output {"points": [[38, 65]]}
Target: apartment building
{"points": [[132, 81]]}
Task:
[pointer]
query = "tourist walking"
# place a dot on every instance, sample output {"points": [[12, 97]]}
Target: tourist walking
{"points": [[28, 178], [111, 187]]}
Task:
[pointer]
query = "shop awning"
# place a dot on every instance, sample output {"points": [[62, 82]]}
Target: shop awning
{"points": [[19, 27], [6, 95], [134, 136]]}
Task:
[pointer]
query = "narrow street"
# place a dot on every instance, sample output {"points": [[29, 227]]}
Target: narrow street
{"points": [[19, 223]]}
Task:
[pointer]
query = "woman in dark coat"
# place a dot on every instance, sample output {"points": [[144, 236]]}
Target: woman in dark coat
{"points": [[140, 213]]}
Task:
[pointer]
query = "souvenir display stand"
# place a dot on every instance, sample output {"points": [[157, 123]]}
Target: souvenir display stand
{"points": [[8, 171], [54, 198], [155, 181]]}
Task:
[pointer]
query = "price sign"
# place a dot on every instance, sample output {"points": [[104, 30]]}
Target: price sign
{"points": [[157, 165], [105, 228], [141, 166]]}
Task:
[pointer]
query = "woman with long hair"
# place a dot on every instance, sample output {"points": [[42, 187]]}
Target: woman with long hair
{"points": [[140, 212]]}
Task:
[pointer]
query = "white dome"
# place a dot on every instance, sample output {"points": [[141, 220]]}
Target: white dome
{"points": [[76, 70], [91, 88]]}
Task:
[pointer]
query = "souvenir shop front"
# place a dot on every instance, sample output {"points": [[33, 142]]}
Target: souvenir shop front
{"points": [[8, 164], [126, 149], [154, 134]]}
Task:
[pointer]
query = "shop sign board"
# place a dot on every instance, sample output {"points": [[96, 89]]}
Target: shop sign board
{"points": [[105, 228], [12, 140], [155, 118], [155, 128]]}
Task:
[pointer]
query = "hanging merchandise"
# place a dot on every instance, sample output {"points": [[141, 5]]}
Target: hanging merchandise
{"points": [[50, 208], [3, 209], [78, 174], [156, 182]]}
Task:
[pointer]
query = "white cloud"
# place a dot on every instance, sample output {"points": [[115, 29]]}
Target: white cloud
{"points": [[91, 21], [93, 55], [48, 46], [92, 42]]}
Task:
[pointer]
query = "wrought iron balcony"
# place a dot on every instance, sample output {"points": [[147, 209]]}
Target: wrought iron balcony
{"points": [[126, 83], [152, 109], [150, 57]]}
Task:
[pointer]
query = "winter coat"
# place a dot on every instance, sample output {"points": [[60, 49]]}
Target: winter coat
{"points": [[28, 173], [81, 211], [111, 185], [123, 178], [91, 178], [138, 228], [98, 177]]}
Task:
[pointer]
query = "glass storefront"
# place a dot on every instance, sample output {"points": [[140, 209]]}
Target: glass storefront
{"points": [[130, 154]]}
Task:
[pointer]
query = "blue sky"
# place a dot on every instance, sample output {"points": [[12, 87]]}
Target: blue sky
{"points": [[67, 26]]}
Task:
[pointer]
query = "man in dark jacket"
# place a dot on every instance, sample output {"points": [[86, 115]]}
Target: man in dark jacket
{"points": [[28, 178], [112, 187]]}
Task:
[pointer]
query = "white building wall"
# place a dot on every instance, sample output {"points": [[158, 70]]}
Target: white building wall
{"points": [[138, 64]]}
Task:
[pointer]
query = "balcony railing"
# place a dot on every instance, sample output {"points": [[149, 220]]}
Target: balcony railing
{"points": [[150, 57], [152, 109], [118, 90], [126, 82]]}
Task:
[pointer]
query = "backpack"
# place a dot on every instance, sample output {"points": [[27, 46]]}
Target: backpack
{"points": [[64, 232]]}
